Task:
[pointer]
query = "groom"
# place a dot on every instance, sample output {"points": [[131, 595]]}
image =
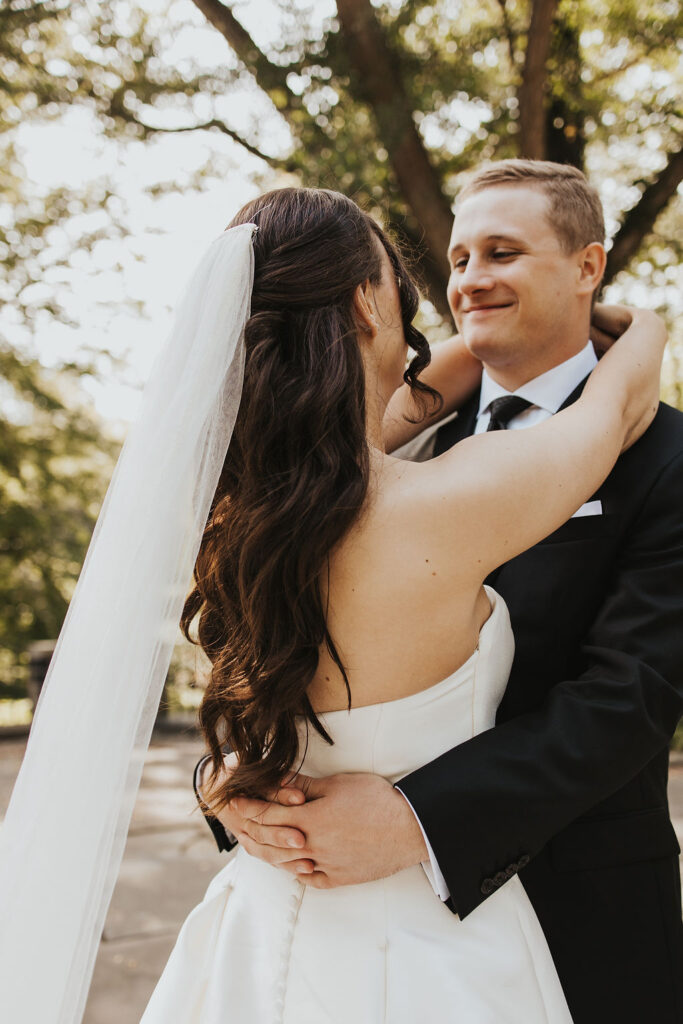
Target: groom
{"points": [[569, 789]]}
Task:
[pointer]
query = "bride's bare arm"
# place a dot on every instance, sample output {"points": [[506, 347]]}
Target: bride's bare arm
{"points": [[453, 371], [502, 492]]}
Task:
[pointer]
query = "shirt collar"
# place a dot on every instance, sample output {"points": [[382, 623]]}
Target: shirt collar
{"points": [[550, 389]]}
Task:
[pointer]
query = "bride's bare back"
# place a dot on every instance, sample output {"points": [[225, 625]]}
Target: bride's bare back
{"points": [[402, 617]]}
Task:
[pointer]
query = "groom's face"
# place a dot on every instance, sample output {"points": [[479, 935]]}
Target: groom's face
{"points": [[513, 288]]}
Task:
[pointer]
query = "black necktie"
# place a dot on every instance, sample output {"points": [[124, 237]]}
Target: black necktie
{"points": [[505, 409]]}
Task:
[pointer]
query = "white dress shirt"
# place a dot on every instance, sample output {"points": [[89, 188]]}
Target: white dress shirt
{"points": [[546, 393]]}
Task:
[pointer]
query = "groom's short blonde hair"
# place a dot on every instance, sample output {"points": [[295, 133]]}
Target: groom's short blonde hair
{"points": [[574, 207]]}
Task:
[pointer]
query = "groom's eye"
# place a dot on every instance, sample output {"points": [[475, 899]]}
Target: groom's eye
{"points": [[503, 254]]}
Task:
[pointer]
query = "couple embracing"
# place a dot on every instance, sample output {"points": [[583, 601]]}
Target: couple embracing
{"points": [[456, 636], [443, 610]]}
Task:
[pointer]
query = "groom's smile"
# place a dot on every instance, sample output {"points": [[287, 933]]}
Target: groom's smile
{"points": [[486, 308]]}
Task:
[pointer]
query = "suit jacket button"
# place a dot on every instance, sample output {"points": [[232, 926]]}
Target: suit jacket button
{"points": [[499, 879], [487, 886], [523, 861]]}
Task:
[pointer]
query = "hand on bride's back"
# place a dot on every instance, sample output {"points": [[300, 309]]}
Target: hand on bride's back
{"points": [[341, 830], [356, 826], [280, 845]]}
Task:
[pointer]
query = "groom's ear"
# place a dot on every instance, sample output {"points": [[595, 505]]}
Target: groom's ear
{"points": [[364, 310], [591, 268]]}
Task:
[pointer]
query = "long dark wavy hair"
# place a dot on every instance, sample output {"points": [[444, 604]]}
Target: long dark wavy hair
{"points": [[294, 480]]}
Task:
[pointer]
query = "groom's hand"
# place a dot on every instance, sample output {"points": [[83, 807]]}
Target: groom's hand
{"points": [[280, 846], [353, 828]]}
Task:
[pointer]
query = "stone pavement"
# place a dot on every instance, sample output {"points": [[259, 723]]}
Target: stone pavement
{"points": [[169, 859]]}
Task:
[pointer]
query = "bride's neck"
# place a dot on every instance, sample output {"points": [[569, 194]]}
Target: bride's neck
{"points": [[375, 408]]}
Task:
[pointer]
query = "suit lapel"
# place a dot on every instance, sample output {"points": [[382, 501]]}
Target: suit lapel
{"points": [[458, 428], [575, 395]]}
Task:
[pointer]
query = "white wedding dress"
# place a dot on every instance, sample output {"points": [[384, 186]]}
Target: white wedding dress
{"points": [[264, 949]]}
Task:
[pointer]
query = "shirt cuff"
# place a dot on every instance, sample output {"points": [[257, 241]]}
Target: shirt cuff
{"points": [[430, 867]]}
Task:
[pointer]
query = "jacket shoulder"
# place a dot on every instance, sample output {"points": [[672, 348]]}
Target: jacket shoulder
{"points": [[663, 440]]}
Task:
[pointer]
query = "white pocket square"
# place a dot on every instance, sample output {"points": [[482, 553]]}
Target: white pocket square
{"points": [[591, 508]]}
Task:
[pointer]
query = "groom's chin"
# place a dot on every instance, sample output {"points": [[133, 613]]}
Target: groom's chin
{"points": [[489, 348]]}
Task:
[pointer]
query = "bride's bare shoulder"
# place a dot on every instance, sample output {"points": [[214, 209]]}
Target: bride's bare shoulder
{"points": [[446, 478], [448, 497], [414, 497]]}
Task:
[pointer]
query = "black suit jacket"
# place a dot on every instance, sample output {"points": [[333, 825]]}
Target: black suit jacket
{"points": [[570, 788]]}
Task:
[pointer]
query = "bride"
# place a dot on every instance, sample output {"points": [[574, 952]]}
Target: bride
{"points": [[339, 595]]}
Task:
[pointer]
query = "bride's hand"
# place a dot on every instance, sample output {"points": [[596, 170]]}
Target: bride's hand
{"points": [[638, 357], [608, 322], [453, 371]]}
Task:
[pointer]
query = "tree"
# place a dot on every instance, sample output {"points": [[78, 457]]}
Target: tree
{"points": [[54, 457], [391, 101], [53, 465], [380, 99]]}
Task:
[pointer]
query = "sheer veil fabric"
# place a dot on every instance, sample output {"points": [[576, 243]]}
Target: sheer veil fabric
{"points": [[62, 840]]}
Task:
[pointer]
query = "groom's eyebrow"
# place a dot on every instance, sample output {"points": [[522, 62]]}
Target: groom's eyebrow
{"points": [[510, 239]]}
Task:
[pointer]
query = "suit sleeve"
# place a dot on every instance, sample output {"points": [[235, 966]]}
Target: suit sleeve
{"points": [[224, 839], [492, 803]]}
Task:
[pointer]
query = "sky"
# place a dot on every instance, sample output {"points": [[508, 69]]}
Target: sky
{"points": [[167, 239]]}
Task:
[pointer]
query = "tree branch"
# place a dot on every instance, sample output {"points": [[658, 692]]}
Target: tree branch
{"points": [[379, 82], [605, 76], [272, 161], [532, 122], [268, 76], [640, 219]]}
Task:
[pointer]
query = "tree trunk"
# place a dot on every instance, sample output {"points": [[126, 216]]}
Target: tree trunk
{"points": [[640, 219], [565, 113], [379, 82], [272, 78], [532, 91]]}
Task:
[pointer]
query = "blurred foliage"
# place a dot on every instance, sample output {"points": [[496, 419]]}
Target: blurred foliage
{"points": [[54, 463], [284, 81], [54, 458], [187, 676]]}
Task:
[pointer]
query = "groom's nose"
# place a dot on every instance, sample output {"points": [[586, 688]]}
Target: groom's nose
{"points": [[475, 277]]}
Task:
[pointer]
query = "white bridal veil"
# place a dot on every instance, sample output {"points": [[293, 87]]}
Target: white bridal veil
{"points": [[63, 836]]}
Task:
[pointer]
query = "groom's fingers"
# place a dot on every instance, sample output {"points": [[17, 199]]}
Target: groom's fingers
{"points": [[263, 822], [263, 811], [270, 835], [289, 796], [298, 868], [317, 880], [275, 855]]}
